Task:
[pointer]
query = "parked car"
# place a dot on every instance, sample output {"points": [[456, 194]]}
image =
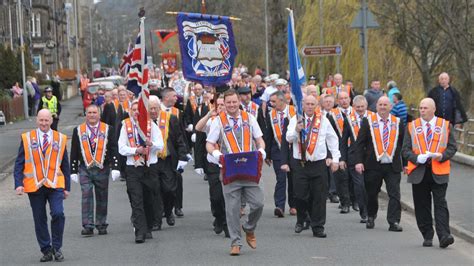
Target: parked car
{"points": [[117, 80], [93, 88]]}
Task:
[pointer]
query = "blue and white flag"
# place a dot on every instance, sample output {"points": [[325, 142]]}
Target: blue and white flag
{"points": [[297, 77], [207, 48]]}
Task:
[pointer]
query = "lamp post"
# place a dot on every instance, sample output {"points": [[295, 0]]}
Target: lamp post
{"points": [[92, 49], [22, 49]]}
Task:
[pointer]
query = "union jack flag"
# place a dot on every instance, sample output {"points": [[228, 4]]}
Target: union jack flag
{"points": [[126, 61], [138, 81]]}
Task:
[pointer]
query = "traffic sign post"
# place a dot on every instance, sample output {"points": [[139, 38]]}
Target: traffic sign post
{"points": [[323, 50]]}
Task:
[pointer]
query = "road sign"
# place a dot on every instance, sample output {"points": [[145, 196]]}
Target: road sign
{"points": [[328, 50], [357, 23]]}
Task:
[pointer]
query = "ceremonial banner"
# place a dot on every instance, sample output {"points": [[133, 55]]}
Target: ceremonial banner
{"points": [[164, 35], [170, 64], [207, 48], [241, 166]]}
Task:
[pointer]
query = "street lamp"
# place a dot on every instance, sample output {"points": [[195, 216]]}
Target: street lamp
{"points": [[22, 49]]}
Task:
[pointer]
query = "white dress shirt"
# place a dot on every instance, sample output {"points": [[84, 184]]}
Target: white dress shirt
{"points": [[40, 134], [326, 135], [216, 126], [349, 110], [126, 150]]}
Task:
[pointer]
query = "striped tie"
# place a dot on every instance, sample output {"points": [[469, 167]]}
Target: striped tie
{"points": [[236, 123], [282, 119], [385, 133], [308, 124], [45, 143], [92, 138], [429, 135]]}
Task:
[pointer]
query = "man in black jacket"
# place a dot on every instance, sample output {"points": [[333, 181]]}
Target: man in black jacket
{"points": [[93, 155], [377, 152], [448, 102]]}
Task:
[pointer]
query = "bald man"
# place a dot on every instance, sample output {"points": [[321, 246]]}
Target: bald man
{"points": [[377, 155], [339, 87], [448, 101], [428, 148], [44, 148]]}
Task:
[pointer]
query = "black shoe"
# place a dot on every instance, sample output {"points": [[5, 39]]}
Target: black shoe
{"points": [[170, 220], [355, 206], [319, 233], [148, 235], [156, 227], [307, 225], [226, 231], [48, 256], [102, 232], [370, 223], [428, 243], [178, 212], [363, 220], [333, 199], [122, 179], [278, 212], [218, 228], [87, 232], [446, 241], [395, 227], [139, 239], [58, 255], [345, 209], [298, 228]]}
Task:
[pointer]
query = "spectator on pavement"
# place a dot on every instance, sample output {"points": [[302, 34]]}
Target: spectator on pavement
{"points": [[399, 108], [391, 89], [16, 90], [373, 94]]}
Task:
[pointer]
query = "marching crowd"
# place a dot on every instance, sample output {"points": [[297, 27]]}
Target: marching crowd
{"points": [[341, 149]]}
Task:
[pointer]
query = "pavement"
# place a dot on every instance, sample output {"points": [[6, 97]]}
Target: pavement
{"points": [[192, 241]]}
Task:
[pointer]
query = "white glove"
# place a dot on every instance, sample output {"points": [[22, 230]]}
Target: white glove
{"points": [[213, 160], [199, 171], [115, 174], [75, 178], [217, 155], [422, 158], [193, 137], [181, 165], [264, 154], [190, 158], [189, 128]]}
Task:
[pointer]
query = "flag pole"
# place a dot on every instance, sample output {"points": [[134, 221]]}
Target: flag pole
{"points": [[151, 42]]}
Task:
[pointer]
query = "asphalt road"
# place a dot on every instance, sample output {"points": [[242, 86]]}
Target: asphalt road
{"points": [[192, 241]]}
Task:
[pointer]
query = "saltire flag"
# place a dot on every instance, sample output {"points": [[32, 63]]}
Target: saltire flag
{"points": [[207, 48], [164, 35], [138, 81], [297, 77], [126, 61]]}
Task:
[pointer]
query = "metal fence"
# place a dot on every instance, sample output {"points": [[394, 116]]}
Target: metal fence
{"points": [[12, 108]]}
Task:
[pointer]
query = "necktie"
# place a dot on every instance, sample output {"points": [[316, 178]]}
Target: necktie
{"points": [[429, 135], [138, 138], [92, 138], [236, 123], [45, 143], [308, 124], [282, 118], [346, 112], [199, 101], [385, 133]]}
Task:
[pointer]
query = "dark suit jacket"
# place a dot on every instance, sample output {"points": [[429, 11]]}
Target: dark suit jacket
{"points": [[111, 155], [108, 115], [459, 114], [286, 147], [365, 153], [417, 175], [271, 145], [343, 139], [20, 166], [200, 151], [177, 149]]}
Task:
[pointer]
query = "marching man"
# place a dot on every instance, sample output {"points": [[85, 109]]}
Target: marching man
{"points": [[93, 154], [42, 171], [236, 131]]}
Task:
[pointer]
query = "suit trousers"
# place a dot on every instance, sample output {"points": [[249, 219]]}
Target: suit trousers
{"points": [[95, 180], [38, 201], [341, 177], [253, 194], [373, 182], [142, 186], [281, 186], [422, 194], [215, 193], [168, 183], [359, 191], [310, 184], [179, 190], [331, 183]]}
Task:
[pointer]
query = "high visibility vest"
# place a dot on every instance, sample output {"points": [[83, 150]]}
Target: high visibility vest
{"points": [[439, 143], [96, 157], [375, 128], [230, 139], [51, 104], [277, 130], [43, 169]]}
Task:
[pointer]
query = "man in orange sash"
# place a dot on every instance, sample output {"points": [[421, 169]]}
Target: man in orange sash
{"points": [[42, 171], [273, 146], [377, 155], [93, 155], [339, 87], [236, 131], [310, 181], [428, 147], [142, 171], [245, 95]]}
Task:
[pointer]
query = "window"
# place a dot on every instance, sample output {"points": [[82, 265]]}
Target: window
{"points": [[36, 25]]}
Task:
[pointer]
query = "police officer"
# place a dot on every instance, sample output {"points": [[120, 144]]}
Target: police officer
{"points": [[93, 155], [42, 171], [311, 133], [50, 102]]}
